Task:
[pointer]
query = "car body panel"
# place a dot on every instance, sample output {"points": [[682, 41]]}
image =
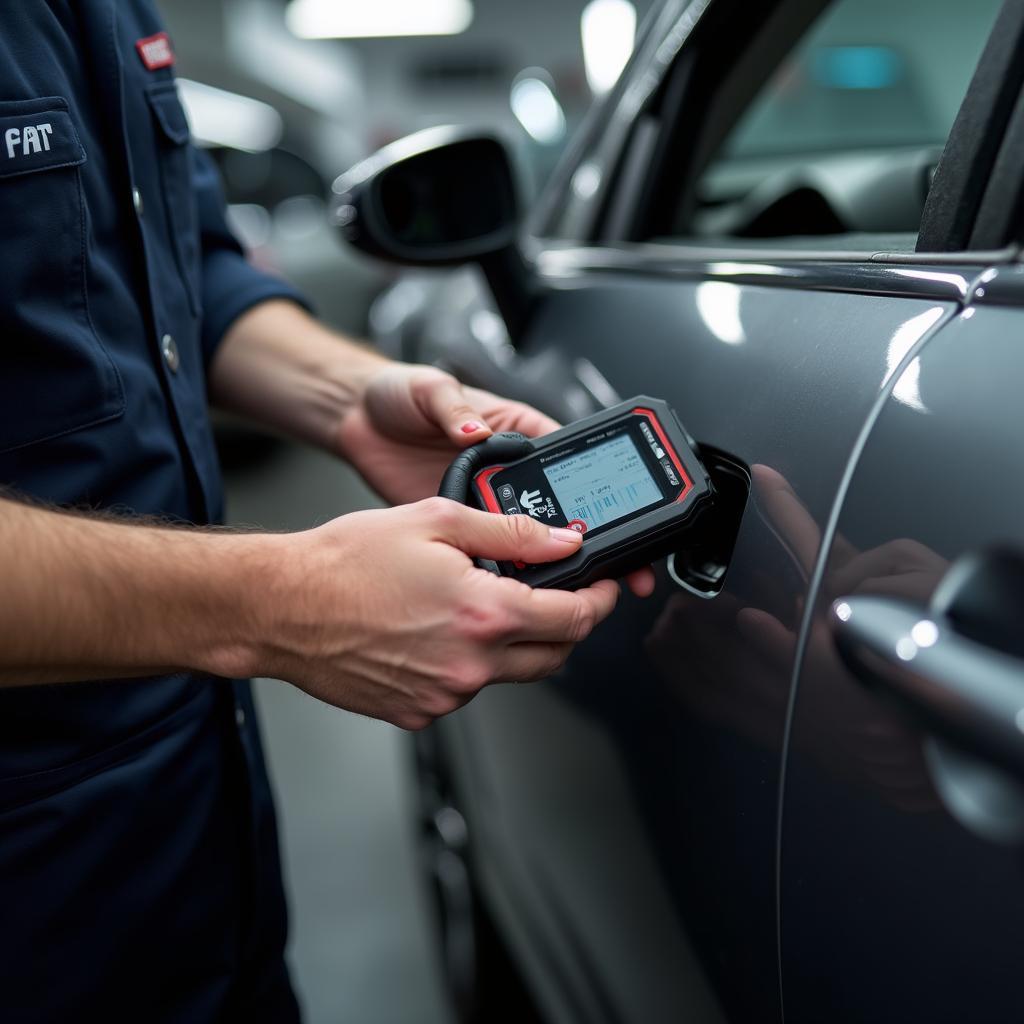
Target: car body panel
{"points": [[897, 902], [690, 738]]}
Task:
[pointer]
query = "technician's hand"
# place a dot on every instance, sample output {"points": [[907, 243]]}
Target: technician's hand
{"points": [[384, 613], [410, 422]]}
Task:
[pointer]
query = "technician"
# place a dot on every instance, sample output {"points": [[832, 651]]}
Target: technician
{"points": [[139, 874]]}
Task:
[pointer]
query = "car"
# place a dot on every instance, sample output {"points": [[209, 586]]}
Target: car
{"points": [[789, 785]]}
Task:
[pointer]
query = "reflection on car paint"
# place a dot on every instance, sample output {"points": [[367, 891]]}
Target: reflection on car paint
{"points": [[745, 686]]}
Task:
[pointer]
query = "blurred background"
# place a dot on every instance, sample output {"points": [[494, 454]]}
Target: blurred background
{"points": [[287, 95]]}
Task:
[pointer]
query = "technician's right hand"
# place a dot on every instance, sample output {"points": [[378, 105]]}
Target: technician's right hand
{"points": [[385, 614]]}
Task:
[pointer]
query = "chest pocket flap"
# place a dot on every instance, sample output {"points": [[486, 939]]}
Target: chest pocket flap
{"points": [[37, 135]]}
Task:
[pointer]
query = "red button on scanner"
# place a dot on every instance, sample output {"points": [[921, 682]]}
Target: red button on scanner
{"points": [[576, 524]]}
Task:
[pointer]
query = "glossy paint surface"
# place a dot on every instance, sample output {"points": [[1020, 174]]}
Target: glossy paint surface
{"points": [[634, 797], [902, 895]]}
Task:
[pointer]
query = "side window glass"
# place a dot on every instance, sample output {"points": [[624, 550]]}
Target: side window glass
{"points": [[843, 138]]}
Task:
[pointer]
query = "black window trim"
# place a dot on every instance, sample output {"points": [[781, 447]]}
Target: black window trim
{"points": [[976, 140]]}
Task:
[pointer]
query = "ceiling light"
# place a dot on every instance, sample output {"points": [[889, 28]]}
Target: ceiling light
{"points": [[536, 108], [221, 118], [323, 78], [354, 19], [608, 28]]}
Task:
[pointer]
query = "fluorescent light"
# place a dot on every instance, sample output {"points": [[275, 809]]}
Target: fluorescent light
{"points": [[324, 79], [355, 19], [221, 118], [537, 109], [608, 28]]}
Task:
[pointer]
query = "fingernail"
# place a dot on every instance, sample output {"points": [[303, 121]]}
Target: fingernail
{"points": [[471, 427], [565, 536]]}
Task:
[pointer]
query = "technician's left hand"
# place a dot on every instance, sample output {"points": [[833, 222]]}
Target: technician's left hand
{"points": [[405, 430]]}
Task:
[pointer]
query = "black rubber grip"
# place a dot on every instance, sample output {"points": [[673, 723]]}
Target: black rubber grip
{"points": [[496, 449]]}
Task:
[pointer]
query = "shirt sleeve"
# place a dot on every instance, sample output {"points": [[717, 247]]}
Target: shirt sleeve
{"points": [[230, 284]]}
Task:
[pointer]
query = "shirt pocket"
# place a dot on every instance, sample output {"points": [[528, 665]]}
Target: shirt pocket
{"points": [[55, 375], [178, 195]]}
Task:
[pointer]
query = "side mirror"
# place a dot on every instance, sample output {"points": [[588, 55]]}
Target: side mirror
{"points": [[441, 197]]}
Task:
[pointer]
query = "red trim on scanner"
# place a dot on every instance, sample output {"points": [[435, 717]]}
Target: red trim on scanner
{"points": [[485, 490], [683, 475]]}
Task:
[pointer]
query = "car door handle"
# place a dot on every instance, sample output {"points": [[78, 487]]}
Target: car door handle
{"points": [[955, 666], [957, 688]]}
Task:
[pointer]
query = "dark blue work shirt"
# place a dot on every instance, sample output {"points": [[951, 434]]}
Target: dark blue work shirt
{"points": [[119, 278]]}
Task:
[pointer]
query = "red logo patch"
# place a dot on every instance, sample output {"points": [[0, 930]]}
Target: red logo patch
{"points": [[156, 51]]}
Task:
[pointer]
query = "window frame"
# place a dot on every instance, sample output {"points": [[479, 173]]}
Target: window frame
{"points": [[658, 86]]}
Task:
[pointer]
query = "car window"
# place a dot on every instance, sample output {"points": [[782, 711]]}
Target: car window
{"points": [[842, 139]]}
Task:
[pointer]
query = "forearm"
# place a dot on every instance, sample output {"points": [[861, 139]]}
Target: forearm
{"points": [[279, 366], [89, 598]]}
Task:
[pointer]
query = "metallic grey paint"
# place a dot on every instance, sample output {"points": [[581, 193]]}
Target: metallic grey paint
{"points": [[691, 734], [927, 911]]}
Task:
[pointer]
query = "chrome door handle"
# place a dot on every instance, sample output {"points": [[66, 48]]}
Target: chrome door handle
{"points": [[958, 688]]}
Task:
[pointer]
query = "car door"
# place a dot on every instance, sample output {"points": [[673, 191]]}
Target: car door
{"points": [[622, 818], [902, 896]]}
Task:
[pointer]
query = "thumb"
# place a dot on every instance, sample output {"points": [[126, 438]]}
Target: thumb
{"points": [[506, 538]]}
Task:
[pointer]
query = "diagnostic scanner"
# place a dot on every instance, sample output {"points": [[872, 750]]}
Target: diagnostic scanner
{"points": [[628, 479]]}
